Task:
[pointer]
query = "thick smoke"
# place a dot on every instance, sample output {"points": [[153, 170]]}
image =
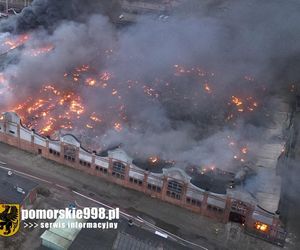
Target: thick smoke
{"points": [[49, 13], [179, 121]]}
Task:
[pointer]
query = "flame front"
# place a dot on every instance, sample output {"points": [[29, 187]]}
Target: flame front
{"points": [[60, 106]]}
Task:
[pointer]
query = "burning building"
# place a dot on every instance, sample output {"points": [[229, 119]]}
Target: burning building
{"points": [[180, 110], [208, 191]]}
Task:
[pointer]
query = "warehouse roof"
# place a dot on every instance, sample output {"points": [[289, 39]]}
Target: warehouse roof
{"points": [[61, 238]]}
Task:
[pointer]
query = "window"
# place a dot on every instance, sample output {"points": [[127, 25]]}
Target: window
{"points": [[214, 208], [119, 167], [136, 181], [118, 175], [103, 170], [70, 153], [84, 163], [154, 188], [69, 158], [193, 202], [118, 170], [53, 152], [174, 190]]}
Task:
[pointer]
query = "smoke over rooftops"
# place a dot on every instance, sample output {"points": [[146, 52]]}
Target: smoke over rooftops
{"points": [[48, 13], [172, 84]]}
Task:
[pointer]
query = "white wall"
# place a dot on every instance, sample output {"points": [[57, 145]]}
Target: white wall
{"points": [[12, 128], [85, 156], [136, 175], [194, 194], [55, 146], [216, 202], [68, 139], [25, 134], [39, 141], [157, 181], [101, 162]]}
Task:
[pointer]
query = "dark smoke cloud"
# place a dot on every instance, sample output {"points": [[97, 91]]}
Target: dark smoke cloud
{"points": [[185, 123], [48, 13]]}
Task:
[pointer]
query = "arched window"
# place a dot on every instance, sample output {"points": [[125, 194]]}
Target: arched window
{"points": [[118, 169], [174, 190], [70, 153]]}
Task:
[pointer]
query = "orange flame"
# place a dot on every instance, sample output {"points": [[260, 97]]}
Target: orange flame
{"points": [[118, 126], [153, 159], [261, 226], [17, 42], [207, 88], [237, 101]]}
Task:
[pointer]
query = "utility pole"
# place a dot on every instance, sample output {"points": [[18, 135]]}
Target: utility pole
{"points": [[6, 6]]}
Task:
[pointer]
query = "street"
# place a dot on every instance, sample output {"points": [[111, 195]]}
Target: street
{"points": [[182, 226], [83, 199]]}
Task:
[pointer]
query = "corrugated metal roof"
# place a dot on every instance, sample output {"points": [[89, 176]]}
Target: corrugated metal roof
{"points": [[62, 237], [56, 240]]}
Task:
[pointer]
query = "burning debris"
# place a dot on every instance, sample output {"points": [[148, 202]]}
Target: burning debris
{"points": [[153, 159], [158, 96], [153, 164], [211, 179], [15, 41], [261, 226], [240, 104]]}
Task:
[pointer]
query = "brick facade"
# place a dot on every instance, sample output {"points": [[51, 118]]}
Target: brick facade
{"points": [[172, 186]]}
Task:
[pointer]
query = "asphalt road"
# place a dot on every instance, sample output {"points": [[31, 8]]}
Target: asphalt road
{"points": [[51, 181], [182, 226]]}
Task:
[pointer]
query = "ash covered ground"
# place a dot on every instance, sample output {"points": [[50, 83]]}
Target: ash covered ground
{"points": [[196, 89]]}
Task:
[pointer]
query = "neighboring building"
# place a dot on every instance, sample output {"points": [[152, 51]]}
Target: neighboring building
{"points": [[146, 6], [210, 194], [18, 5], [61, 238], [16, 189], [131, 9], [124, 237]]}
